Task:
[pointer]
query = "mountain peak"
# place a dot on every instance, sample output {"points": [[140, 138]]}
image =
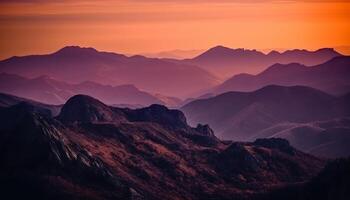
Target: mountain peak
{"points": [[72, 50], [323, 51], [274, 53], [223, 49], [328, 51], [283, 68], [220, 47], [218, 52], [83, 108]]}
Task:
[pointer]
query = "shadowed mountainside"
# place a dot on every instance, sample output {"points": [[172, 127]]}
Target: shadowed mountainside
{"points": [[274, 111], [94, 151]]}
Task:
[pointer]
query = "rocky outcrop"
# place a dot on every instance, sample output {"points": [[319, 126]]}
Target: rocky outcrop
{"points": [[205, 130], [161, 115], [82, 108]]}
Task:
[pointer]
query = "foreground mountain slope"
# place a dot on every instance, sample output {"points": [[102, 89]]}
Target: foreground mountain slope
{"points": [[75, 65], [40, 162], [332, 183], [331, 76], [150, 153], [48, 90], [267, 111], [225, 62]]}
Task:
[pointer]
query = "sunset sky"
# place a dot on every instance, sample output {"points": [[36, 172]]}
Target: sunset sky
{"points": [[144, 26]]}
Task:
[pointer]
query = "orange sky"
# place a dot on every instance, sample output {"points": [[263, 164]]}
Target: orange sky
{"points": [[137, 26]]}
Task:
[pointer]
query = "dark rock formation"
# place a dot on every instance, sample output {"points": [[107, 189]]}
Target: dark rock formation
{"points": [[204, 130], [82, 108], [159, 114]]}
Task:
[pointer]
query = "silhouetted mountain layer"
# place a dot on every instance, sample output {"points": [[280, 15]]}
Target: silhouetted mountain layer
{"points": [[93, 151], [48, 90], [75, 65], [7, 100], [331, 76], [225, 62], [274, 111]]}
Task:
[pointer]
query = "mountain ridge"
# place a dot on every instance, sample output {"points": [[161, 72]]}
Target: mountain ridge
{"points": [[51, 91], [226, 62], [330, 77]]}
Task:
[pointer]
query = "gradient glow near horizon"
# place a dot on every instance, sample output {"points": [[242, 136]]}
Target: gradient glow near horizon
{"points": [[141, 26]]}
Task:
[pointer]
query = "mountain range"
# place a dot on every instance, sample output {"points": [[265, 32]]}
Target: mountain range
{"points": [[225, 62], [94, 151], [84, 124], [178, 78], [74, 64], [295, 113], [50, 91], [331, 76]]}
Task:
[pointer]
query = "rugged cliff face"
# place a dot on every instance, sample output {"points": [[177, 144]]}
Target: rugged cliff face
{"points": [[93, 151]]}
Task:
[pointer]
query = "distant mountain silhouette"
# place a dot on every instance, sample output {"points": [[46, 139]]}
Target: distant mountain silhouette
{"points": [[225, 62], [48, 90], [270, 112], [331, 76], [174, 54], [150, 153], [75, 65]]}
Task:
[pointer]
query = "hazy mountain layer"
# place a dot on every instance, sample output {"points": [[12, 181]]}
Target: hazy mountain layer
{"points": [[273, 109], [48, 90], [225, 62], [76, 65], [331, 76]]}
